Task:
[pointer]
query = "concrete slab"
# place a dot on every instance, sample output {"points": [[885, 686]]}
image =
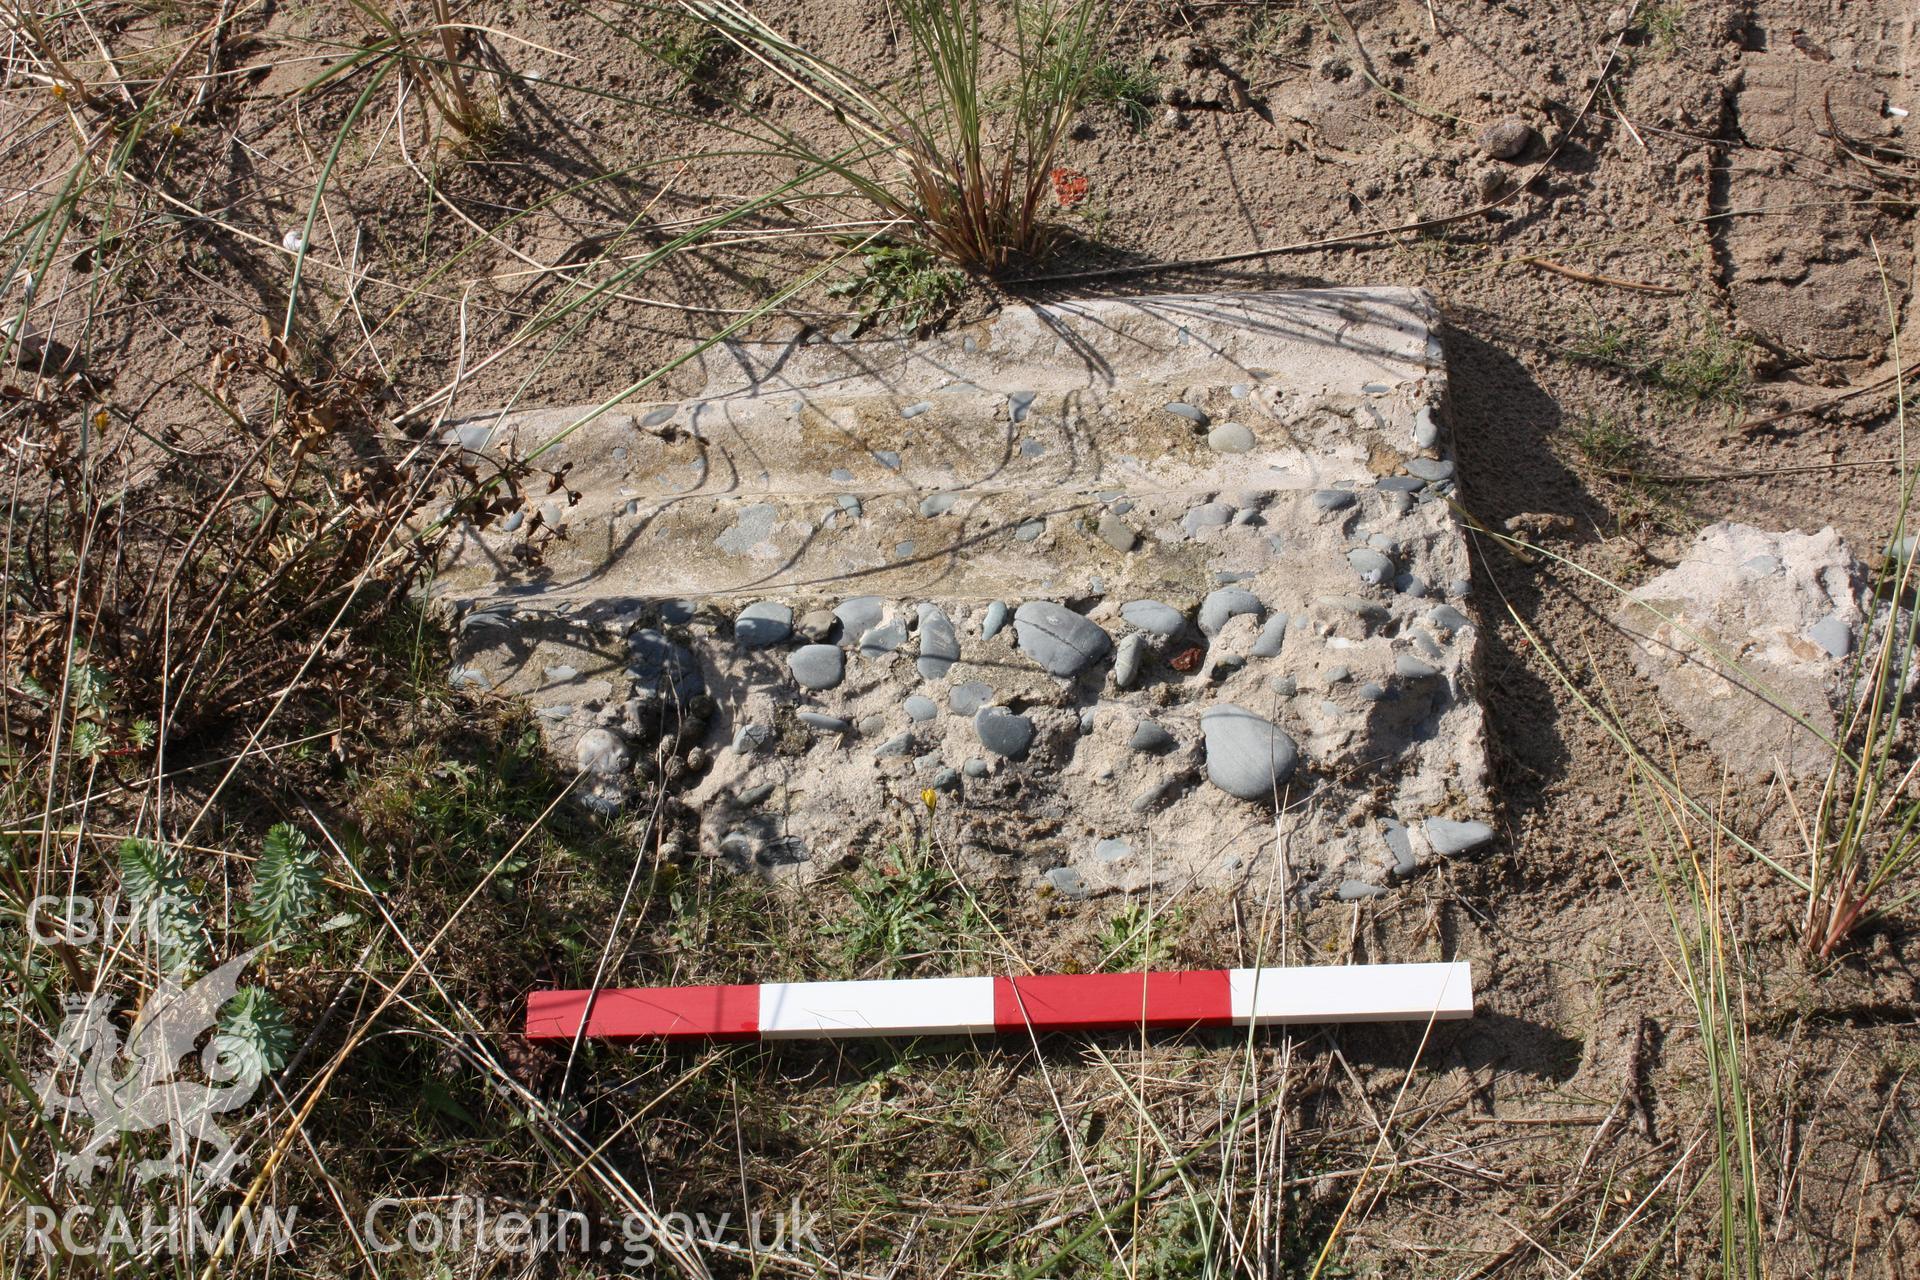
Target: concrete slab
{"points": [[1116, 579]]}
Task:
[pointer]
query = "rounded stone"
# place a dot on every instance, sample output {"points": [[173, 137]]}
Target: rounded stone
{"points": [[601, 752], [1224, 604], [939, 646], [946, 779], [1372, 567], [821, 720], [1060, 640], [817, 666], [898, 746], [749, 738], [816, 625], [1408, 667], [1505, 139], [1446, 617], [1112, 849], [1003, 733], [1332, 499], [1127, 663], [1272, 637], [859, 615], [1833, 635], [974, 768], [1247, 755], [1149, 736], [1357, 891], [761, 624], [1067, 883], [969, 696], [883, 640], [1450, 837], [1230, 437], [1153, 616], [1206, 516], [996, 618], [1430, 469], [1194, 415], [1117, 533], [920, 708]]}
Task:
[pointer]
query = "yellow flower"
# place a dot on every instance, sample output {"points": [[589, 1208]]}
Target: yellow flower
{"points": [[930, 798]]}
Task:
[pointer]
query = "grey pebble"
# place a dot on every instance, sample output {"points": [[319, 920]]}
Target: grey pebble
{"points": [[1446, 617], [1404, 863], [754, 795], [1155, 794], [1117, 533], [600, 751], [1206, 516], [840, 475], [749, 738], [1399, 484], [859, 615], [969, 696], [1180, 409], [883, 639], [1230, 437], [1224, 604], [1127, 663], [849, 504], [1339, 674], [974, 768], [1149, 736], [996, 618], [1408, 667], [939, 646], [1450, 837], [1430, 469], [1029, 530], [1332, 499], [1460, 588], [1285, 686], [1272, 637], [761, 624], [1018, 405], [920, 708], [896, 747], [1357, 890], [1425, 430], [817, 666], [871, 725], [1060, 640], [1372, 567], [915, 409], [1371, 692], [1003, 733], [887, 458], [1247, 755], [1067, 883], [946, 779], [937, 504], [1112, 849], [903, 550], [1833, 635], [1152, 615], [821, 720]]}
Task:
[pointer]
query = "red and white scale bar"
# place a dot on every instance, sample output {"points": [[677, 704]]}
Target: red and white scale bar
{"points": [[976, 1006]]}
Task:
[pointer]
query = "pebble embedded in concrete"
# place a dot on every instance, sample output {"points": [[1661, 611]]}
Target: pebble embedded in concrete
{"points": [[762, 624], [1149, 736], [920, 708], [1247, 755], [1003, 733], [1448, 836], [859, 615], [1127, 662], [1153, 616], [824, 722], [883, 640], [1063, 642], [817, 666], [967, 697], [1117, 533], [939, 646], [1372, 567], [1224, 604], [996, 618], [1230, 437]]}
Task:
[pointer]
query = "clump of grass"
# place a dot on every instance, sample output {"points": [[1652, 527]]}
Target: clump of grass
{"points": [[435, 57], [1130, 88], [941, 155], [1664, 26], [1137, 937], [1714, 369], [899, 913], [1606, 442], [904, 282]]}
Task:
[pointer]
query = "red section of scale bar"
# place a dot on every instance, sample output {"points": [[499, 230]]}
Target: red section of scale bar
{"points": [[1113, 1001], [669, 1013]]}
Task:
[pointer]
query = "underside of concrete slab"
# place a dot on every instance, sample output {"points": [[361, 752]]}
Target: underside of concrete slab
{"points": [[1141, 589]]}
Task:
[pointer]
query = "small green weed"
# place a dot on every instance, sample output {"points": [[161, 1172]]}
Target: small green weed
{"points": [[898, 913], [906, 282], [694, 50], [1664, 26], [1715, 369], [1606, 442], [1130, 88], [1138, 937]]}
